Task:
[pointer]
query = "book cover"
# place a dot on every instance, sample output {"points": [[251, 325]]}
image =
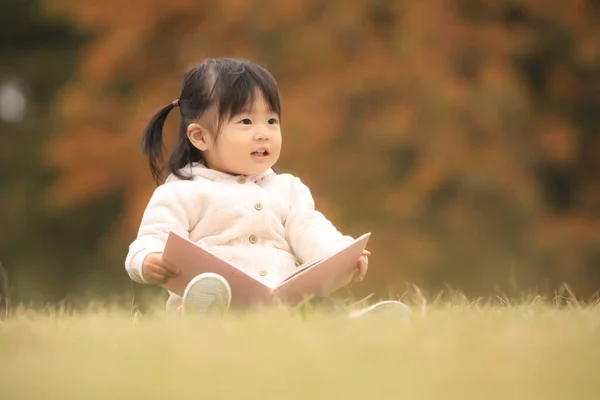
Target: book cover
{"points": [[317, 277]]}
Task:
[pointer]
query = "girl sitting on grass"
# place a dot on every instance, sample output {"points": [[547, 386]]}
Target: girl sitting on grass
{"points": [[222, 193]]}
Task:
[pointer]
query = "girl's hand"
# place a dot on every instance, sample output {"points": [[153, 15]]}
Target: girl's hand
{"points": [[158, 271], [363, 265]]}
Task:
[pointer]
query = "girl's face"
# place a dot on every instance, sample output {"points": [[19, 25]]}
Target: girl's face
{"points": [[248, 144]]}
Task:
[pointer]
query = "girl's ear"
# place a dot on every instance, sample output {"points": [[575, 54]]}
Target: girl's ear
{"points": [[198, 136]]}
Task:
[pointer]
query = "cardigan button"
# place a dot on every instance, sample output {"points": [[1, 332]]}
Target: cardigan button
{"points": [[253, 239], [241, 180], [263, 272], [258, 206]]}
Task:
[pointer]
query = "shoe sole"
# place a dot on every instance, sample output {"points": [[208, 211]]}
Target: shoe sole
{"points": [[206, 292], [389, 307]]}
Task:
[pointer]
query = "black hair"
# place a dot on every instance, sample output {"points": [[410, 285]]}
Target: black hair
{"points": [[227, 84]]}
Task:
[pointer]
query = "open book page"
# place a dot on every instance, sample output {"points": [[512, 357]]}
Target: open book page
{"points": [[192, 260], [324, 276], [315, 277], [299, 269]]}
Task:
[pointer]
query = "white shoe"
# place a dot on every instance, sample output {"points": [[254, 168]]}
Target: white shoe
{"points": [[207, 292], [389, 307]]}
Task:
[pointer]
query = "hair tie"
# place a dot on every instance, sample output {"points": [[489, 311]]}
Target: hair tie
{"points": [[175, 103]]}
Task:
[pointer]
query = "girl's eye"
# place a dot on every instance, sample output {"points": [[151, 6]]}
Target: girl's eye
{"points": [[246, 121], [273, 121]]}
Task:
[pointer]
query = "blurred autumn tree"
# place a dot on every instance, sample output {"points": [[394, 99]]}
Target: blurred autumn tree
{"points": [[37, 55], [463, 134]]}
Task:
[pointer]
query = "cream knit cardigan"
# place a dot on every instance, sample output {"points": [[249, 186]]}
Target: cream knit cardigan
{"points": [[266, 224]]}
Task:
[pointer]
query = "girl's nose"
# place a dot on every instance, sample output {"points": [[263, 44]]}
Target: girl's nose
{"points": [[261, 134]]}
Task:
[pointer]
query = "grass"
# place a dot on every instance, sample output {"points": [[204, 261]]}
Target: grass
{"points": [[450, 350]]}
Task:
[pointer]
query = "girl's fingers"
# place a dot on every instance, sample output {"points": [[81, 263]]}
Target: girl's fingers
{"points": [[169, 269], [157, 276], [161, 270], [361, 271]]}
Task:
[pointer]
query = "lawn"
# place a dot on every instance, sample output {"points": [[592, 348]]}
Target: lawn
{"points": [[452, 350]]}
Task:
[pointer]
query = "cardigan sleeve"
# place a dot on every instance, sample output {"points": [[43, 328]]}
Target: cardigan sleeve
{"points": [[310, 234], [165, 212]]}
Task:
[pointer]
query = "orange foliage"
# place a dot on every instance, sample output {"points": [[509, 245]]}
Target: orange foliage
{"points": [[411, 116]]}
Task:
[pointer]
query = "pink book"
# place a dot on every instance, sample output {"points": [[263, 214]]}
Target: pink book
{"points": [[319, 277]]}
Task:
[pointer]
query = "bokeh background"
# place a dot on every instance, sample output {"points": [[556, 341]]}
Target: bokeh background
{"points": [[464, 134]]}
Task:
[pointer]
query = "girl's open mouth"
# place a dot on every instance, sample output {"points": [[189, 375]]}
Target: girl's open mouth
{"points": [[260, 153]]}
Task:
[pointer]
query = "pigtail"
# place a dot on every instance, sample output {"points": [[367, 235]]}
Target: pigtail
{"points": [[152, 141]]}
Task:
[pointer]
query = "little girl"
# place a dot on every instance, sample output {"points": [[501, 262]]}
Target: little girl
{"points": [[221, 190]]}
